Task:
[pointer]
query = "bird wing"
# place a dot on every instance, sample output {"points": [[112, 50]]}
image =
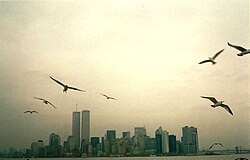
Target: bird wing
{"points": [[205, 61], [227, 108], [39, 98], [104, 95], [220, 144], [51, 104], [57, 81], [27, 112], [237, 47], [76, 89], [112, 98], [211, 146], [218, 53], [34, 111], [210, 98]]}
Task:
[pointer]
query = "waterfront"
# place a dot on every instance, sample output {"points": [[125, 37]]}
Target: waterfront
{"points": [[211, 157]]}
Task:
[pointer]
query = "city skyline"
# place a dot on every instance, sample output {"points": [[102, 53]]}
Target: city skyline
{"points": [[143, 53]]}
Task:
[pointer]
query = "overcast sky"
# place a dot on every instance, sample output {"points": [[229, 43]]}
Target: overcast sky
{"points": [[143, 52]]}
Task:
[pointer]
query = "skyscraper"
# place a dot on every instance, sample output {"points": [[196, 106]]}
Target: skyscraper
{"points": [[140, 134], [165, 142], [85, 125], [190, 140], [76, 129], [111, 134], [172, 143], [158, 141], [162, 143]]}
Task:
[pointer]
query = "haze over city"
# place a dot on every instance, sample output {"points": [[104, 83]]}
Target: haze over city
{"points": [[144, 53]]}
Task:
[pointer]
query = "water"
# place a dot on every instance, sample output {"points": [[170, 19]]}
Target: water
{"points": [[213, 157]]}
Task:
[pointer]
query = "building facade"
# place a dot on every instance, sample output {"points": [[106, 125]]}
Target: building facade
{"points": [[190, 140], [76, 129]]}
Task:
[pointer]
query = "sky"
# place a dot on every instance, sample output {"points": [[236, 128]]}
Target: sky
{"points": [[144, 53]]}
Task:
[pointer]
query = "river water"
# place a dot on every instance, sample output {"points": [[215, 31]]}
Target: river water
{"points": [[213, 157]]}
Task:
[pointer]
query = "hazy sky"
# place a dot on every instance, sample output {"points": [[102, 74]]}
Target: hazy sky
{"points": [[143, 52]]}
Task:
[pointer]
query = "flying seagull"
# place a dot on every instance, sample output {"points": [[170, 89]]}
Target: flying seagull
{"points": [[30, 112], [243, 50], [66, 87], [218, 103], [211, 59], [216, 144], [108, 97], [45, 101]]}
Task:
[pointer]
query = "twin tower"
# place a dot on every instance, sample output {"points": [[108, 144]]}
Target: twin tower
{"points": [[82, 129]]}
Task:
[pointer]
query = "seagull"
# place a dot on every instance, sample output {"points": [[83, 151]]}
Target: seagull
{"points": [[211, 59], [65, 87], [30, 112], [218, 103], [243, 50], [108, 97], [216, 144], [45, 101]]}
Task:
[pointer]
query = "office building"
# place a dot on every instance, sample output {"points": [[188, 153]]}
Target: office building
{"points": [[111, 134], [172, 144], [162, 143], [190, 140], [126, 135], [85, 125], [76, 129]]}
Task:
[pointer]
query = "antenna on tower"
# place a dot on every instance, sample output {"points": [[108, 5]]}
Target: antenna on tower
{"points": [[76, 106]]}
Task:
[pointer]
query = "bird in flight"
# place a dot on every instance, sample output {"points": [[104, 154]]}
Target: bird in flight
{"points": [[216, 144], [45, 101], [218, 103], [30, 112], [211, 59], [243, 50], [66, 87], [108, 97]]}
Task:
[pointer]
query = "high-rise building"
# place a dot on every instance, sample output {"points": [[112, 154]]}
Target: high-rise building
{"points": [[126, 135], [162, 143], [94, 143], [172, 143], [54, 148], [76, 129], [140, 132], [86, 125], [37, 148], [165, 142], [54, 140], [158, 141], [111, 134], [190, 140], [109, 141]]}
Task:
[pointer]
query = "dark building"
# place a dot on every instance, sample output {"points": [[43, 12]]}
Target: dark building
{"points": [[126, 135], [158, 141], [150, 145], [109, 142], [111, 134], [94, 142], [102, 145], [172, 143]]}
